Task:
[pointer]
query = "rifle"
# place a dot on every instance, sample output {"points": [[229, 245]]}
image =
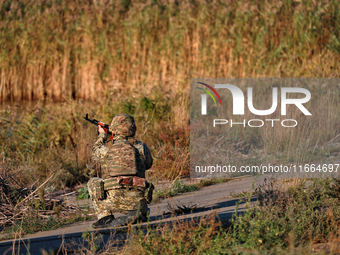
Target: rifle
{"points": [[102, 124]]}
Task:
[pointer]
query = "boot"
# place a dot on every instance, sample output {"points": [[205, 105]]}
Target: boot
{"points": [[124, 220], [103, 222], [144, 215]]}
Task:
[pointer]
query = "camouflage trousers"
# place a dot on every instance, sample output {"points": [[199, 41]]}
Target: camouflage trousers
{"points": [[117, 200]]}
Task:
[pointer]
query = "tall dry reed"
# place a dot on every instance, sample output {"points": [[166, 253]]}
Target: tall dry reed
{"points": [[80, 49]]}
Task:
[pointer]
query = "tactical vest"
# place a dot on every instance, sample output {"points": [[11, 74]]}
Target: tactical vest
{"points": [[123, 159]]}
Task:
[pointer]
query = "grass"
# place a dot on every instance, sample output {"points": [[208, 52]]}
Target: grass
{"points": [[208, 182], [178, 187], [83, 193], [137, 57], [92, 50], [56, 139], [33, 223], [290, 218], [240, 194], [293, 215]]}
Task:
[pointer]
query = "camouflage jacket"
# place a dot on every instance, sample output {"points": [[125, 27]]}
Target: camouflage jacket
{"points": [[100, 151]]}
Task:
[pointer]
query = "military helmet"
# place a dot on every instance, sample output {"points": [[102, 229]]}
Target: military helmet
{"points": [[123, 124]]}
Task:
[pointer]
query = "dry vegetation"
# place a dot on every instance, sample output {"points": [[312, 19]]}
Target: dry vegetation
{"points": [[56, 139], [84, 49], [137, 57], [295, 217]]}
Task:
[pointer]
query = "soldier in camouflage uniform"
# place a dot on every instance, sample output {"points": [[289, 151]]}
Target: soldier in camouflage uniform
{"points": [[122, 186]]}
